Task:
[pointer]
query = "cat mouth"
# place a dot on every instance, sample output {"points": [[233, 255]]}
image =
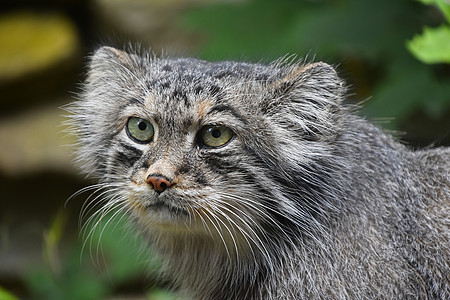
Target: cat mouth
{"points": [[161, 206]]}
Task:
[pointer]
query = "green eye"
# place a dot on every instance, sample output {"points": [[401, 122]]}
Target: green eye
{"points": [[215, 136], [140, 130]]}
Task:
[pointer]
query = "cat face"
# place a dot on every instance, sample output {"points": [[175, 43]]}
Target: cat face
{"points": [[212, 148]]}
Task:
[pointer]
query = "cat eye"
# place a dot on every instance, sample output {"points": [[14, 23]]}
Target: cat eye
{"points": [[215, 136], [140, 130]]}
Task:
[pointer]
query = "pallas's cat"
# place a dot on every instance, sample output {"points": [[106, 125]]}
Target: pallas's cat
{"points": [[255, 181]]}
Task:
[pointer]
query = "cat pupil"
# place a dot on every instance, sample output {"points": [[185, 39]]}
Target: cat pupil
{"points": [[216, 133], [142, 126]]}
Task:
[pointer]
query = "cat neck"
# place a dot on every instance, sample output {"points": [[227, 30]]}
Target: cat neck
{"points": [[202, 267]]}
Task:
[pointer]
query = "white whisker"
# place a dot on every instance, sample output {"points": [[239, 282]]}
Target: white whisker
{"points": [[218, 230]]}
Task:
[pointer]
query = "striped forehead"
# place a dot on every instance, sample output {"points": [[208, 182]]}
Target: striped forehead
{"points": [[183, 95], [185, 90], [181, 86], [179, 108], [197, 76]]}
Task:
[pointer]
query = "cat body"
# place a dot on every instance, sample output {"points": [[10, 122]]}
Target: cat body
{"points": [[256, 182]]}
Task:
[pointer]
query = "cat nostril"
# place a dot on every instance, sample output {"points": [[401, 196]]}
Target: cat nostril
{"points": [[159, 182]]}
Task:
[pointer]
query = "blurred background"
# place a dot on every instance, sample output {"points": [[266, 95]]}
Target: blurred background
{"points": [[394, 56]]}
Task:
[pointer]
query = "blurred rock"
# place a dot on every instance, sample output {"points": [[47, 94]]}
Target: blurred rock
{"points": [[152, 23], [35, 142], [40, 60], [31, 42]]}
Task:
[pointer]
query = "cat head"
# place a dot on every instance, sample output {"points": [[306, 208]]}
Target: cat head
{"points": [[223, 147]]}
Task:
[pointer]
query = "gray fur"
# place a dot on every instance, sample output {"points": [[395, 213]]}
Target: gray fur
{"points": [[307, 201]]}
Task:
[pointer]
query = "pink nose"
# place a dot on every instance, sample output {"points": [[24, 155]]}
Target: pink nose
{"points": [[159, 182]]}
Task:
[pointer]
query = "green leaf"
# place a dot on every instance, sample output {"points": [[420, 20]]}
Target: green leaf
{"points": [[5, 295], [444, 6], [433, 46]]}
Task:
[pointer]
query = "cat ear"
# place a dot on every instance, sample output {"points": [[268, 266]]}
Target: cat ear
{"points": [[308, 99], [107, 53], [108, 61]]}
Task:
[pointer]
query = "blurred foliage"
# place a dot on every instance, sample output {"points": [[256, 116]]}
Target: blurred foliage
{"points": [[116, 256], [373, 32], [433, 45]]}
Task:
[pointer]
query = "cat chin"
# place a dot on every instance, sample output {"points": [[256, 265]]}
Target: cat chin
{"points": [[162, 218], [179, 213], [161, 214]]}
